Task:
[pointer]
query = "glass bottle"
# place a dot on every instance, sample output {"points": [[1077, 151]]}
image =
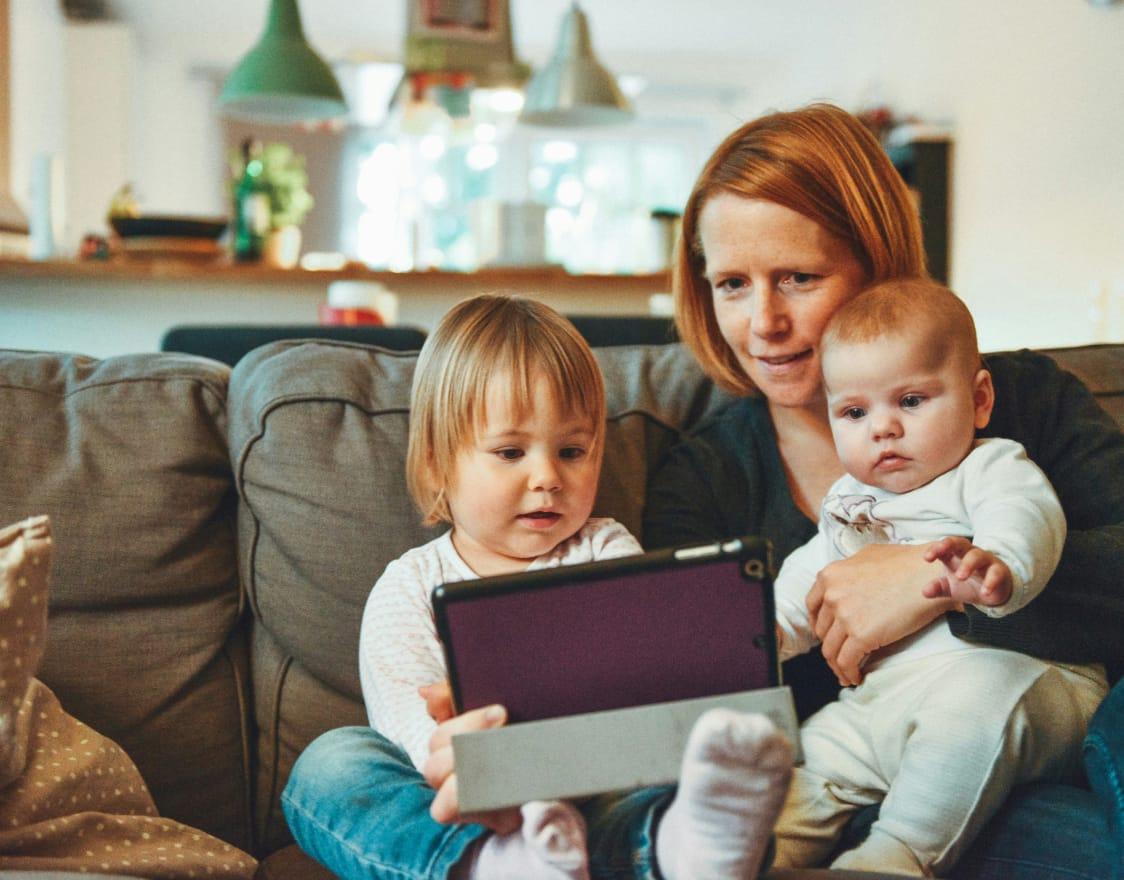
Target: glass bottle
{"points": [[251, 205]]}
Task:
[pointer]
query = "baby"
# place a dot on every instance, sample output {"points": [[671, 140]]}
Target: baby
{"points": [[940, 729]]}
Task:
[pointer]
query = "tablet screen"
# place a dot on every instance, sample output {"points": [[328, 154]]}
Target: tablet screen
{"points": [[670, 625]]}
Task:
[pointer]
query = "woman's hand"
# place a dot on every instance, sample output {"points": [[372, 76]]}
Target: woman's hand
{"points": [[439, 771], [869, 600]]}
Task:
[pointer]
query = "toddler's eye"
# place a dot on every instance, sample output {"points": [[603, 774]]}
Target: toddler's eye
{"points": [[509, 453], [912, 401], [854, 413], [572, 453]]}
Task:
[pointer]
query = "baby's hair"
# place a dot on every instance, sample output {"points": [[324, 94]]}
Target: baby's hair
{"points": [[920, 308], [517, 339]]}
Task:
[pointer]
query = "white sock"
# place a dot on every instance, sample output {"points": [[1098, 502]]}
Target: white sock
{"points": [[550, 846], [736, 770]]}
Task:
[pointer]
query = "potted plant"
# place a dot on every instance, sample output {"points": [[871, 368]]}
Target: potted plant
{"points": [[280, 174]]}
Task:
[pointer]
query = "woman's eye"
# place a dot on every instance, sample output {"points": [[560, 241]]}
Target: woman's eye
{"points": [[509, 454], [730, 286], [799, 279], [854, 413], [572, 453], [912, 401]]}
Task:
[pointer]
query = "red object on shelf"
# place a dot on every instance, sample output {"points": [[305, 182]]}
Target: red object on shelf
{"points": [[333, 317]]}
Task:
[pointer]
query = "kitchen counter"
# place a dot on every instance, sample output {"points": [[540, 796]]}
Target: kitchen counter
{"points": [[120, 306]]}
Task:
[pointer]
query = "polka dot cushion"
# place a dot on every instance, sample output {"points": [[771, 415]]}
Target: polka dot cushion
{"points": [[71, 799]]}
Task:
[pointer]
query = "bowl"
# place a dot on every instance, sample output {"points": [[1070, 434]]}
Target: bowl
{"points": [[160, 226]]}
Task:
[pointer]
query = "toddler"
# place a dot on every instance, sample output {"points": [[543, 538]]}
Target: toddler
{"points": [[506, 436], [940, 730]]}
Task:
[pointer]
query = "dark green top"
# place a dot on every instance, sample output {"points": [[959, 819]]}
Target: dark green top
{"points": [[727, 479]]}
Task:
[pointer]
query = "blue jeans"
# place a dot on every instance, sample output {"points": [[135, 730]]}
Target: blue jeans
{"points": [[355, 803]]}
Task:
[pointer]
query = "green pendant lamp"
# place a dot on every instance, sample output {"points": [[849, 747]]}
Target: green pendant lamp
{"points": [[574, 88], [282, 79]]}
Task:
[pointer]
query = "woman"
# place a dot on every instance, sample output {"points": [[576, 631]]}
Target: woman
{"points": [[791, 217]]}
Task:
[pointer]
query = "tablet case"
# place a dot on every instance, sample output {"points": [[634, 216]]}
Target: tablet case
{"points": [[671, 625]]}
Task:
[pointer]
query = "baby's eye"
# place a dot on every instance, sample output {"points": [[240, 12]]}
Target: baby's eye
{"points": [[912, 401], [572, 453], [854, 413], [509, 453]]}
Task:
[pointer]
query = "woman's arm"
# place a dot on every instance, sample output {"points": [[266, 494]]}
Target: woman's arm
{"points": [[870, 600]]}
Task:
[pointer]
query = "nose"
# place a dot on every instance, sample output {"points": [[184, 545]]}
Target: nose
{"points": [[768, 316], [885, 426], [544, 475]]}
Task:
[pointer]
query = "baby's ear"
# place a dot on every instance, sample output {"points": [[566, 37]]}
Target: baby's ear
{"points": [[983, 397]]}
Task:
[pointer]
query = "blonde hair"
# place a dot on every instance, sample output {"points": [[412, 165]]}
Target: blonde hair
{"points": [[918, 308], [491, 335], [821, 162]]}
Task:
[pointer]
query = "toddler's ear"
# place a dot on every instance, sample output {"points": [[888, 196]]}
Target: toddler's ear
{"points": [[983, 397]]}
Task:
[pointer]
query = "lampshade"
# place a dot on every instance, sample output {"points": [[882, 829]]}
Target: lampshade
{"points": [[282, 79], [463, 38], [574, 88]]}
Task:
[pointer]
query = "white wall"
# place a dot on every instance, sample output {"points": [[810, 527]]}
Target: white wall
{"points": [[1033, 91], [38, 110]]}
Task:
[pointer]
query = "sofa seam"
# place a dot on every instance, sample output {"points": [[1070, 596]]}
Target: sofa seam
{"points": [[267, 819], [247, 748]]}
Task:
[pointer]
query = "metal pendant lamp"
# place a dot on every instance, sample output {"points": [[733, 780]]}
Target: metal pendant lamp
{"points": [[574, 88], [282, 79]]}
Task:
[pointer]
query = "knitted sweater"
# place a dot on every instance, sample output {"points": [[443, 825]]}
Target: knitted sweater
{"points": [[727, 479]]}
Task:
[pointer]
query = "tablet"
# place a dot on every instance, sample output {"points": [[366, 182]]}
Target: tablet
{"points": [[669, 625]]}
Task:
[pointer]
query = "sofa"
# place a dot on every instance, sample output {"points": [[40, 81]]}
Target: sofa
{"points": [[216, 534]]}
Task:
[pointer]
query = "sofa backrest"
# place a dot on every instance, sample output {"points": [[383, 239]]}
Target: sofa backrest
{"points": [[1101, 368], [318, 445], [128, 456]]}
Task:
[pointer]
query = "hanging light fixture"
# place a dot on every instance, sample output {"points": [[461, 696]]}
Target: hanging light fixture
{"points": [[282, 79], [574, 88]]}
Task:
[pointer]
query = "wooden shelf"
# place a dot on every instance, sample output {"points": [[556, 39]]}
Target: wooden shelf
{"points": [[236, 273]]}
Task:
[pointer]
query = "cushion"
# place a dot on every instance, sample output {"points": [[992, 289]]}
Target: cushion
{"points": [[70, 798], [128, 457], [318, 446]]}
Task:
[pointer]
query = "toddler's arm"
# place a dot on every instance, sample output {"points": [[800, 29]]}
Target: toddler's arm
{"points": [[399, 652], [972, 574]]}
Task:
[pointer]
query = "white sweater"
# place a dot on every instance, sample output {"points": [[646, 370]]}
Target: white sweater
{"points": [[996, 497]]}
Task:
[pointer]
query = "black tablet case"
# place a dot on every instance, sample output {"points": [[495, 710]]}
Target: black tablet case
{"points": [[669, 625]]}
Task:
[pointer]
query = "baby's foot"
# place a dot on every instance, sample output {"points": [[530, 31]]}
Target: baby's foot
{"points": [[736, 770], [550, 846]]}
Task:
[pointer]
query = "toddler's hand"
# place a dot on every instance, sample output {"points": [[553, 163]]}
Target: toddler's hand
{"points": [[440, 773], [972, 575], [438, 700]]}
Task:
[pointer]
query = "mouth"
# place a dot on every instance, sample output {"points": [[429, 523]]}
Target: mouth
{"points": [[540, 519], [890, 461], [782, 361]]}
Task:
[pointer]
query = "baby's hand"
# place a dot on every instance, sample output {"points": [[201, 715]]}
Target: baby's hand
{"points": [[972, 575], [439, 771]]}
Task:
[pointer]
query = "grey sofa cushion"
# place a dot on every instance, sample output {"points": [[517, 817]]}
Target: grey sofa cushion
{"points": [[1101, 368], [318, 445], [128, 457]]}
